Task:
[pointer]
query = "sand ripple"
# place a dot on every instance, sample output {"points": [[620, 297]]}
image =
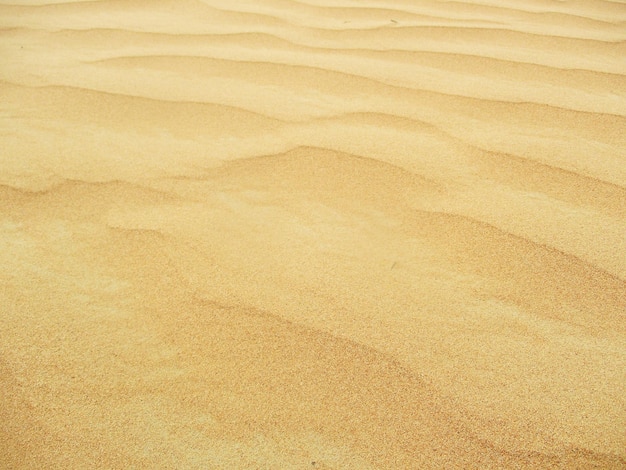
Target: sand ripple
{"points": [[322, 234]]}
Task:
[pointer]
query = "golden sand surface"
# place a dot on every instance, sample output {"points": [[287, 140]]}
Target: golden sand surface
{"points": [[317, 234]]}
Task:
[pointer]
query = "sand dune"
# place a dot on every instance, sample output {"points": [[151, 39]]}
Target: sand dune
{"points": [[322, 234]]}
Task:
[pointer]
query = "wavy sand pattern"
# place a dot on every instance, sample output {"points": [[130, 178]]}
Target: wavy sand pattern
{"points": [[374, 234]]}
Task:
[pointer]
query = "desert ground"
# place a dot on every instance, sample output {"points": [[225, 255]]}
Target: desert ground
{"points": [[317, 234]]}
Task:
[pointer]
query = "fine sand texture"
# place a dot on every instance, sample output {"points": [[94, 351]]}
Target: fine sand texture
{"points": [[312, 234]]}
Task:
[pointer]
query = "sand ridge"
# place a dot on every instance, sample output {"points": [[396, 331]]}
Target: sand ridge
{"points": [[322, 234]]}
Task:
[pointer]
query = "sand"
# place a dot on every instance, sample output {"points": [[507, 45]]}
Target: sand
{"points": [[328, 234]]}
